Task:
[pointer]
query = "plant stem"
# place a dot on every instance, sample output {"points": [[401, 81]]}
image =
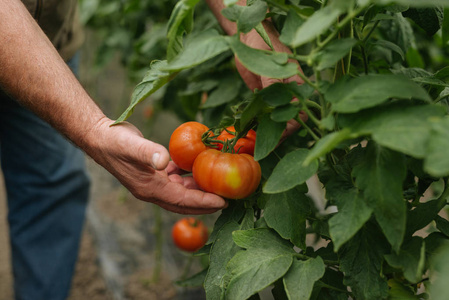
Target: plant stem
{"points": [[439, 98], [362, 50], [351, 15], [370, 32], [278, 5], [307, 80], [303, 58], [325, 285], [305, 257], [239, 135], [312, 117], [313, 104], [303, 124]]}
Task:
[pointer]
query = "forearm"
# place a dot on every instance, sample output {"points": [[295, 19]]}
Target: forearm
{"points": [[33, 73]]}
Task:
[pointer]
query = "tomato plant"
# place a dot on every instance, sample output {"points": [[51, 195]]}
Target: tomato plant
{"points": [[189, 234], [231, 175], [244, 144], [186, 142], [375, 89]]}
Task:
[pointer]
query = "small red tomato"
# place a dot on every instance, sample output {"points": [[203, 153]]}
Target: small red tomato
{"points": [[148, 112], [189, 234], [244, 145], [230, 175], [186, 143]]}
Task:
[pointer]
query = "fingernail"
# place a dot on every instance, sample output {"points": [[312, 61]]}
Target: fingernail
{"points": [[155, 159]]}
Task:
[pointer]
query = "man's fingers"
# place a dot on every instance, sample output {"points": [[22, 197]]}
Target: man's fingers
{"points": [[181, 200], [172, 168], [187, 181]]}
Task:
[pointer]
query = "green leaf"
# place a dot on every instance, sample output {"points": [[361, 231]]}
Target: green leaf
{"points": [[267, 258], [434, 241], [153, 80], [290, 172], [429, 18], [262, 238], [439, 274], [436, 161], [195, 280], [410, 259], [361, 261], [277, 94], [286, 213], [445, 28], [391, 46], [269, 134], [229, 2], [200, 49], [247, 17], [269, 64], [371, 90], [223, 249], [431, 81], [422, 215], [352, 214], [315, 25], [291, 25], [397, 126], [251, 112], [332, 278], [227, 90], [301, 277], [234, 212], [414, 3], [327, 144], [264, 35], [380, 177], [285, 113], [414, 58], [181, 15], [399, 291], [302, 92], [442, 225], [334, 52]]}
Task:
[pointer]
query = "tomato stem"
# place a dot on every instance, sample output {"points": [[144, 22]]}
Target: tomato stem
{"points": [[230, 144]]}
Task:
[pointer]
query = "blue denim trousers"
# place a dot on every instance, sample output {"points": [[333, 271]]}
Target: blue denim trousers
{"points": [[47, 188]]}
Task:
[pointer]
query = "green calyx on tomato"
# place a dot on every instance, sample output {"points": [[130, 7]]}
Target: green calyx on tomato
{"points": [[189, 234], [231, 173], [231, 141]]}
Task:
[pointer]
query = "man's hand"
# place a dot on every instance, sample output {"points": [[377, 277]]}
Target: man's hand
{"points": [[143, 167], [253, 40], [254, 81]]}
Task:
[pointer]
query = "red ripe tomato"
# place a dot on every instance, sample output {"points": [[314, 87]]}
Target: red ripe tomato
{"points": [[230, 175], [186, 143], [244, 145], [189, 234]]}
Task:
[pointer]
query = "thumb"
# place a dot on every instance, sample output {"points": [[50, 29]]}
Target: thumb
{"points": [[153, 153]]}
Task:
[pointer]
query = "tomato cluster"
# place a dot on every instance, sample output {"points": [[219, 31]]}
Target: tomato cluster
{"points": [[189, 234], [233, 175]]}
